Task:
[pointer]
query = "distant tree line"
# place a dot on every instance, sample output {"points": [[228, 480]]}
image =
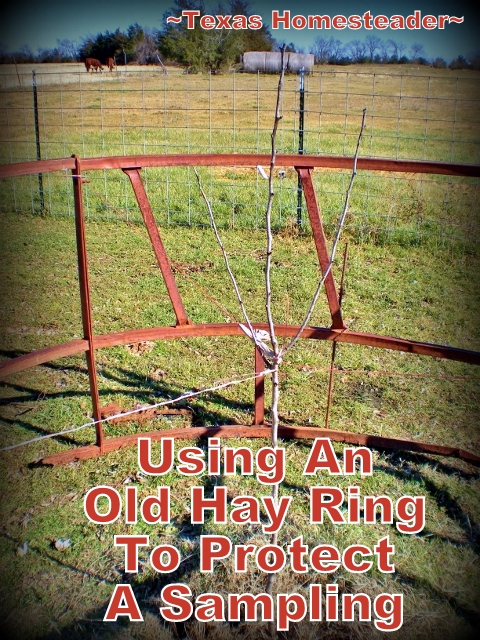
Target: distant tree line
{"points": [[216, 50]]}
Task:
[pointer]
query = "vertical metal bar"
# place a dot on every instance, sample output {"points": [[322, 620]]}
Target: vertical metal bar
{"points": [[334, 344], [85, 297], [259, 411], [37, 139], [301, 112], [159, 249], [321, 245]]}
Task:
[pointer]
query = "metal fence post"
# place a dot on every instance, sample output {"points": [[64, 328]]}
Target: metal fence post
{"points": [[37, 139], [300, 142]]}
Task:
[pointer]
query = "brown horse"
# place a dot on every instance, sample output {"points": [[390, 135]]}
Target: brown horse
{"points": [[110, 63], [93, 63]]}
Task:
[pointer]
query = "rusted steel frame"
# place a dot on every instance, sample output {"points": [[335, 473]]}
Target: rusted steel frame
{"points": [[334, 345], [320, 244], [157, 244], [85, 297], [35, 358], [314, 333], [259, 404], [241, 160], [243, 431], [26, 361]]}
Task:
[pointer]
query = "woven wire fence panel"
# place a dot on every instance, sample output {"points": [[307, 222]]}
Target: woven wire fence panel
{"points": [[412, 115]]}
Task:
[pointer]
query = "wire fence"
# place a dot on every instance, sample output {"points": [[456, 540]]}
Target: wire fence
{"points": [[416, 114]]}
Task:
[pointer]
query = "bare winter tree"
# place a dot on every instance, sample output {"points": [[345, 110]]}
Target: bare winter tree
{"points": [[273, 353], [322, 49], [146, 50], [417, 51], [372, 43], [357, 50], [68, 49]]}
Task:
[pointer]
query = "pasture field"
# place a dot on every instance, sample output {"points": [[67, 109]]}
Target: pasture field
{"points": [[412, 271]]}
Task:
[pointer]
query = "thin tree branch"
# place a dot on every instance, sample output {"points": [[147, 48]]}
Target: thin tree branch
{"points": [[334, 246], [253, 335]]}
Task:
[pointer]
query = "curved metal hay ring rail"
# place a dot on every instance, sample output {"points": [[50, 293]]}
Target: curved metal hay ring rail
{"points": [[338, 332]]}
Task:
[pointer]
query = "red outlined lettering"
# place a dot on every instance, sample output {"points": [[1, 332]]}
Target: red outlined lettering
{"points": [[315, 602], [214, 456], [130, 505], [331, 602], [160, 505], [364, 456], [199, 504], [389, 608], [381, 22], [280, 20], [144, 456], [383, 550], [250, 603], [325, 558], [339, 22], [348, 558], [190, 15], [131, 544], [247, 512], [413, 519], [429, 22], [241, 554], [413, 21], [230, 456], [123, 603], [397, 22], [255, 22], [213, 548], [223, 22], [191, 463], [270, 551], [274, 472], [354, 22], [284, 611], [299, 22], [319, 503], [180, 608], [319, 22], [322, 456], [156, 558], [370, 503], [277, 516], [367, 20], [297, 550], [114, 505], [212, 609], [349, 600]]}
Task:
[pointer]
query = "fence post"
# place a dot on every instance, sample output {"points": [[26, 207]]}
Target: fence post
{"points": [[300, 142], [37, 139]]}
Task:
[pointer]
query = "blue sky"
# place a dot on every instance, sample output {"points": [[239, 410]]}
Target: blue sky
{"points": [[39, 23]]}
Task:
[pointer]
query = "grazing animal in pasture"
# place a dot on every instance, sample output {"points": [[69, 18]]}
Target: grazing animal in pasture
{"points": [[93, 63], [110, 63]]}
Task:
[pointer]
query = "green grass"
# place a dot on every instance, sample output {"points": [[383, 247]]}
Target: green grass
{"points": [[423, 292]]}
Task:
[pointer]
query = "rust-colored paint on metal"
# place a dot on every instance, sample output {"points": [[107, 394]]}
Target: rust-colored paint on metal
{"points": [[157, 244], [244, 431], [85, 297], [259, 402], [334, 345], [25, 361], [321, 245], [241, 160], [337, 333], [144, 414]]}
